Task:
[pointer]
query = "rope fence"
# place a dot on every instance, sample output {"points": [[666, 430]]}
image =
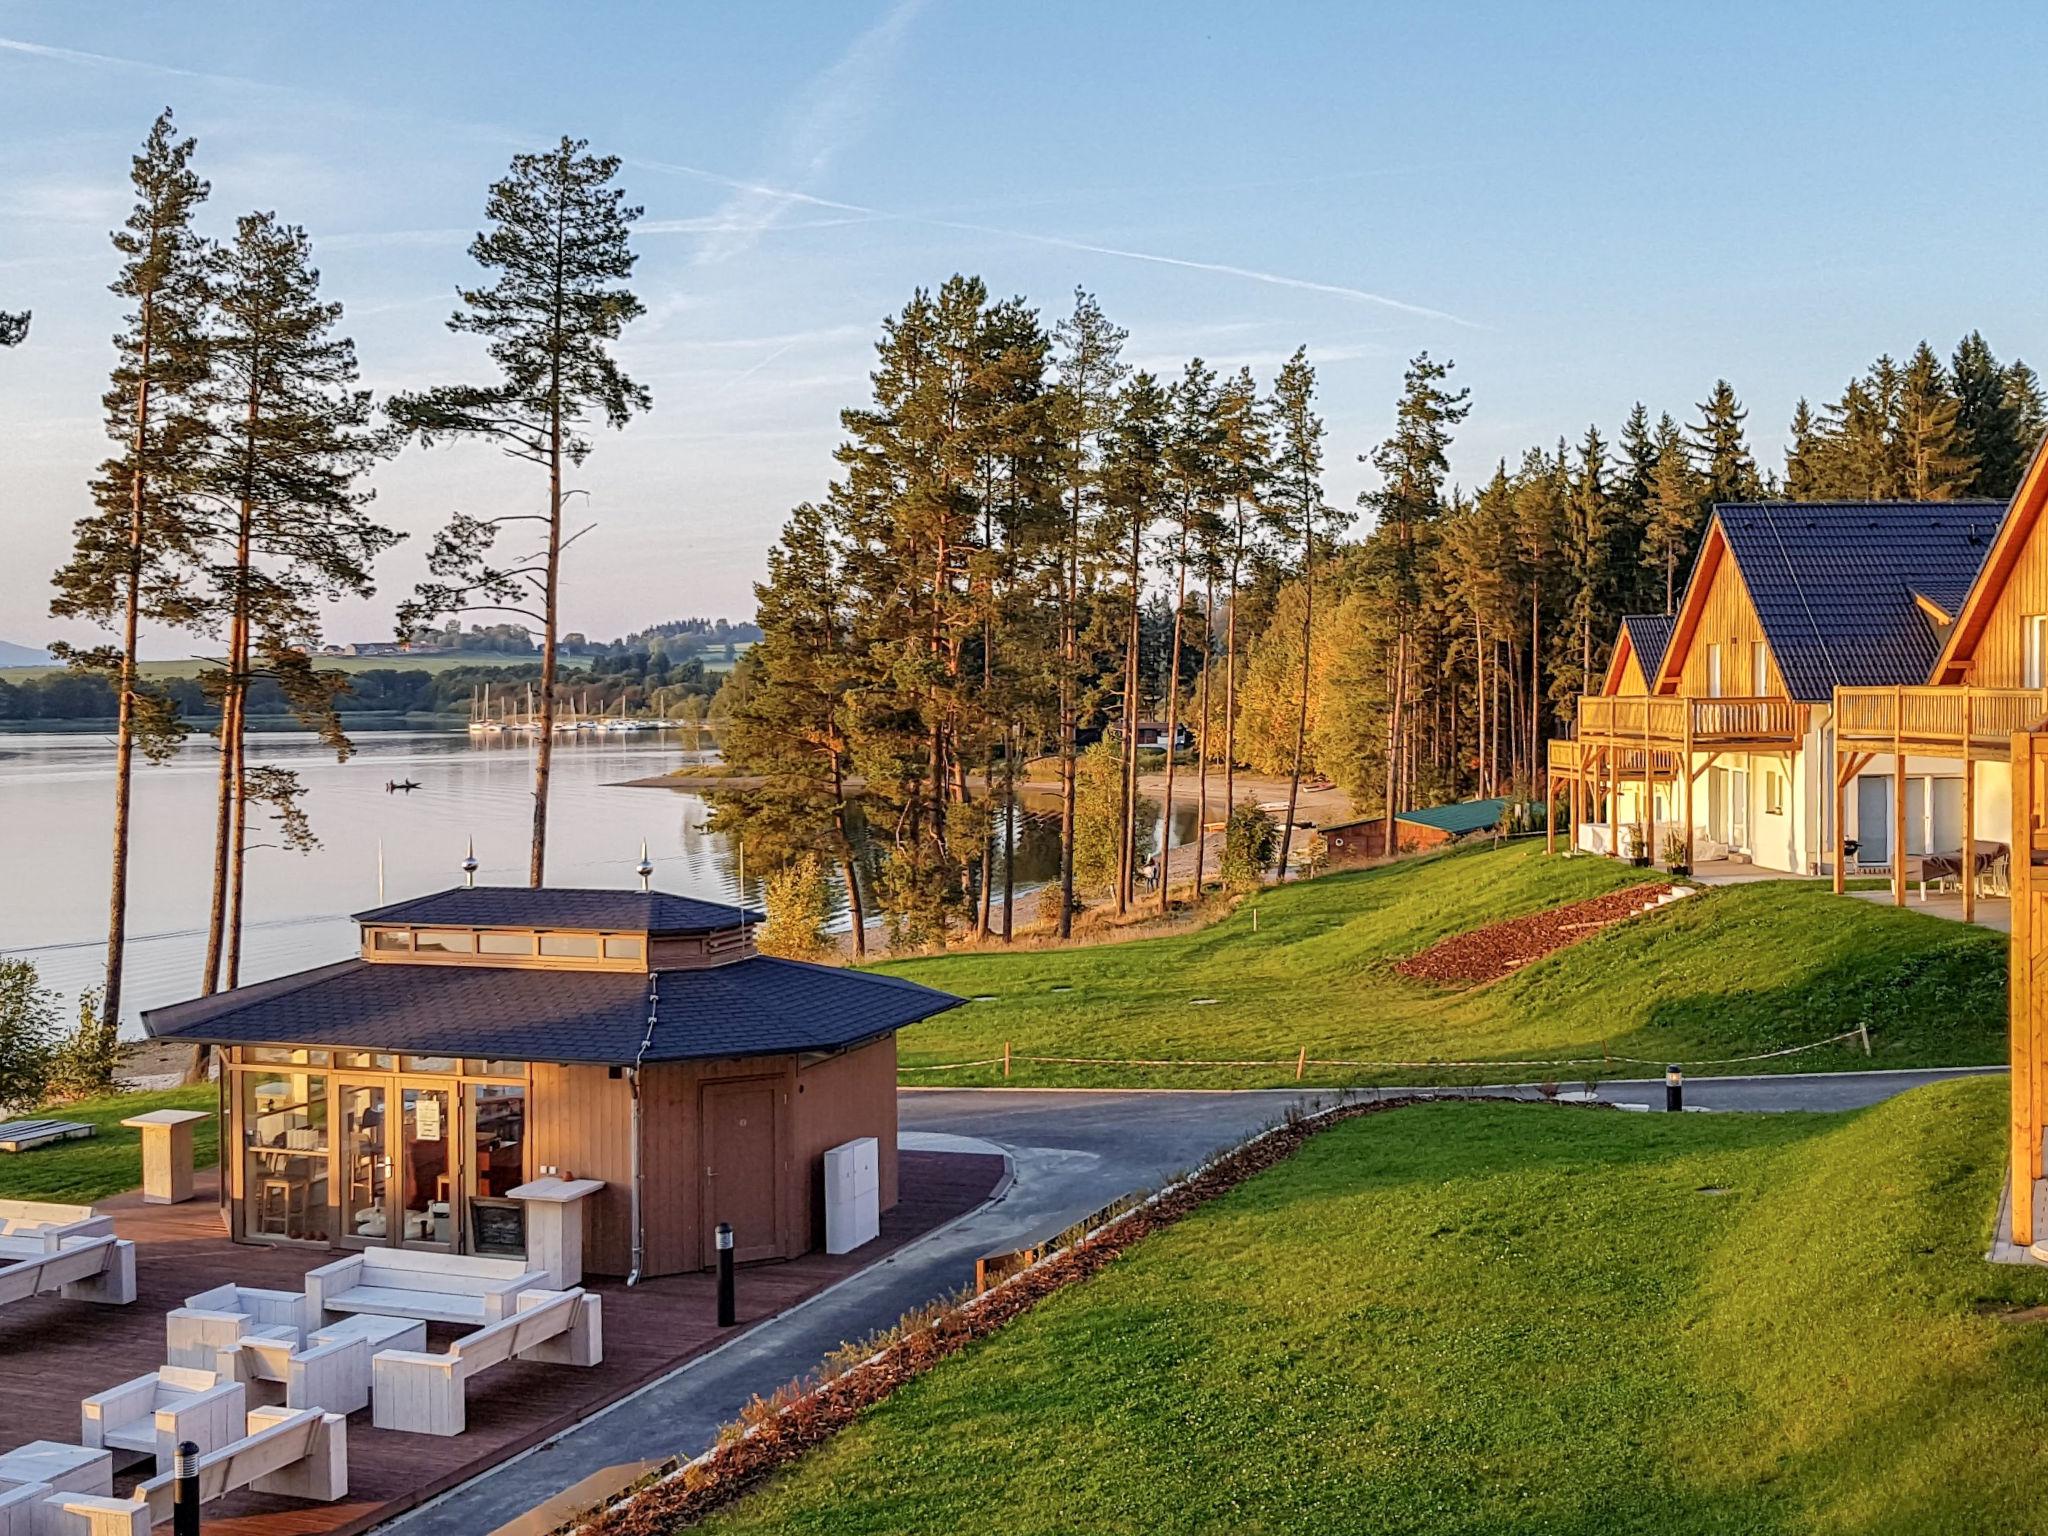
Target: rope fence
{"points": [[1301, 1061]]}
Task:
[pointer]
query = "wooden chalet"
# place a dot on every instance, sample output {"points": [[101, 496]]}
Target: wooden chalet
{"points": [[1733, 743], [485, 1037]]}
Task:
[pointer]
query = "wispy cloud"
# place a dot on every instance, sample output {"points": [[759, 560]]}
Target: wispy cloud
{"points": [[85, 60]]}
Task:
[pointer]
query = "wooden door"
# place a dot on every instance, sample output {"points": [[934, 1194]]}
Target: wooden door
{"points": [[739, 1152]]}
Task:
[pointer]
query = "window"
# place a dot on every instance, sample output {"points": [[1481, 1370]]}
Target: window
{"points": [[582, 946], [1713, 671], [283, 1055], [430, 1064], [390, 940], [634, 948], [373, 1061], [1774, 794], [1760, 671], [434, 941], [491, 1067], [504, 943], [284, 1142], [2034, 629]]}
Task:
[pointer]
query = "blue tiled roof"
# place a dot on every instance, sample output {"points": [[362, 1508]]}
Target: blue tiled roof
{"points": [[1461, 817], [520, 906], [752, 1007], [1649, 634], [1833, 583]]}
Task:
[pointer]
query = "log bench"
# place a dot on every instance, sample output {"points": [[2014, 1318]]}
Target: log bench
{"points": [[434, 1287], [424, 1393]]}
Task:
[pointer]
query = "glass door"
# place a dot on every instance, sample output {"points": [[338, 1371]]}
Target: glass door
{"points": [[426, 1152], [365, 1173]]}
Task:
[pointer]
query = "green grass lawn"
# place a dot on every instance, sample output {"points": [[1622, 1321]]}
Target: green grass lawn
{"points": [[1733, 971], [83, 1171], [1469, 1318]]}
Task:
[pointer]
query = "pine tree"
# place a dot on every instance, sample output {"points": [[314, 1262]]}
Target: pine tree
{"points": [[285, 527], [1805, 467], [1721, 449], [1193, 493], [1588, 512], [1677, 505], [126, 564], [560, 252], [1934, 449], [14, 328], [1302, 522], [1633, 585], [1988, 419], [1134, 496], [1244, 447], [2030, 412]]}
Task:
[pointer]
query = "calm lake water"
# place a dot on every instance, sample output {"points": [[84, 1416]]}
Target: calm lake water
{"points": [[56, 806]]}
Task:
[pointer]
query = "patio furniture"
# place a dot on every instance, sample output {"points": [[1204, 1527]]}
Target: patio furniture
{"points": [[22, 1508], [554, 1226], [195, 1333], [424, 1393], [38, 1226], [436, 1287], [380, 1332], [99, 1269], [332, 1374], [24, 1135], [167, 1153], [150, 1415], [296, 1452], [66, 1468]]}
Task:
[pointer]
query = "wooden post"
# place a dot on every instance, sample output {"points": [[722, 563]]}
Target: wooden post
{"points": [[1613, 801], [1649, 822], [1898, 798], [1006, 1048], [1685, 767], [1969, 816], [2026, 1137], [1549, 805], [1835, 790], [1301, 1064]]}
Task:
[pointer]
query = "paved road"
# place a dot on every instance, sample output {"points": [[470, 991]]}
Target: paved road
{"points": [[1070, 1152]]}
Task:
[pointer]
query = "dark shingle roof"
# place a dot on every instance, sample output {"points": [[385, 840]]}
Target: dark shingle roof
{"points": [[519, 906], [757, 1006], [1463, 816], [1833, 583], [1649, 634]]}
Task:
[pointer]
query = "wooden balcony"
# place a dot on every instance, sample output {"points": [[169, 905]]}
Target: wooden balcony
{"points": [[1670, 721], [1936, 722]]}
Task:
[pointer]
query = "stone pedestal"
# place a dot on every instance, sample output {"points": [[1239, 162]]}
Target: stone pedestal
{"points": [[167, 1153], [554, 1226]]}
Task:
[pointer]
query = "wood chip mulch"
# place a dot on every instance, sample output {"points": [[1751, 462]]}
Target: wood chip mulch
{"points": [[1489, 953], [779, 1432]]}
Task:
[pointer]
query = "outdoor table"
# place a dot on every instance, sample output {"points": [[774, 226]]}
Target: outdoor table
{"points": [[166, 1153], [382, 1332], [66, 1468], [554, 1225]]}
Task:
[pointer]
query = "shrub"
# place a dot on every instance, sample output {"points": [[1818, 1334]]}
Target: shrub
{"points": [[84, 1063], [799, 906], [28, 1034], [1250, 839]]}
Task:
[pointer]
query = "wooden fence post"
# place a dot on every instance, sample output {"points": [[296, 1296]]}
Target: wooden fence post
{"points": [[1301, 1064], [1006, 1059]]}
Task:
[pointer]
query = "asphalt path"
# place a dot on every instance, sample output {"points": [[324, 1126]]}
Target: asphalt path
{"points": [[1070, 1153]]}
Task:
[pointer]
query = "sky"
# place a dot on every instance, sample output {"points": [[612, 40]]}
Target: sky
{"points": [[1580, 205]]}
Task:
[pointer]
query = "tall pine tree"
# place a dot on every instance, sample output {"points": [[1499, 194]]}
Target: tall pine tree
{"points": [[1304, 524]]}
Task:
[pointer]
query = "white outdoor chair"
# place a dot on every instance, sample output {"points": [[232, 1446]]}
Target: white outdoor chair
{"points": [[150, 1415]]}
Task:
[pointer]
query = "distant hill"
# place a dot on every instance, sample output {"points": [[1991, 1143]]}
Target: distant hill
{"points": [[12, 655]]}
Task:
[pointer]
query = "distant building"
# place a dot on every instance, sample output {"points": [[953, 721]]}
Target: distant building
{"points": [[370, 648], [1352, 843]]}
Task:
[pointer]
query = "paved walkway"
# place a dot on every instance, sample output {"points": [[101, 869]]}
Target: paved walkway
{"points": [[1993, 912], [1071, 1152]]}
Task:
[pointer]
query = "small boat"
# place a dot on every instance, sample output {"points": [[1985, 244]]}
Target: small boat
{"points": [[392, 786]]}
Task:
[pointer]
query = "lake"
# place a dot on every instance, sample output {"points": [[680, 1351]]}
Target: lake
{"points": [[56, 806]]}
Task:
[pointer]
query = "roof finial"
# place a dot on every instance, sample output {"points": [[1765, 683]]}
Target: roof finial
{"points": [[469, 863], [645, 868]]}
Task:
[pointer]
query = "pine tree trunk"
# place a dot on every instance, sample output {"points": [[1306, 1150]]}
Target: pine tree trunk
{"points": [[847, 865], [237, 865], [1013, 746], [1387, 845], [544, 746], [1202, 747], [1308, 628], [1535, 683], [1173, 727], [1069, 721], [1127, 851]]}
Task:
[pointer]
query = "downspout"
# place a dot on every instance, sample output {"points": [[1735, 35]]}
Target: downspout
{"points": [[633, 1079]]}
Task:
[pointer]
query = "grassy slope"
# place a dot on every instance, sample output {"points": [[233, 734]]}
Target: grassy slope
{"points": [[1485, 1318], [110, 1162], [1733, 971]]}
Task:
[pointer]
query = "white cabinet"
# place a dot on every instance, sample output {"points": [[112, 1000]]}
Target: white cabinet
{"points": [[853, 1194]]}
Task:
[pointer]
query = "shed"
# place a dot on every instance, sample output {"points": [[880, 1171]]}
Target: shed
{"points": [[485, 1036], [1361, 841]]}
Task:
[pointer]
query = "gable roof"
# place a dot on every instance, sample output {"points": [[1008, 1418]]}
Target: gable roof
{"points": [[1833, 585], [519, 906], [1459, 817], [1644, 636], [1974, 612], [753, 1007]]}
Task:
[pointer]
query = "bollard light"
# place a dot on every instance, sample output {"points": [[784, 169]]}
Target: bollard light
{"points": [[728, 1311], [185, 1490], [1674, 1088]]}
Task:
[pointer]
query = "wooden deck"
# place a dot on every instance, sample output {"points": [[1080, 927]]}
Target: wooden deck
{"points": [[53, 1352]]}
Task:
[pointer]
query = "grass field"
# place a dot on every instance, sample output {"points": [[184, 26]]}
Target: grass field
{"points": [[1491, 1318], [193, 666], [83, 1171], [1734, 971]]}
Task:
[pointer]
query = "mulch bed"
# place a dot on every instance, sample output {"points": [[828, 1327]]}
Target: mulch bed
{"points": [[1489, 953], [775, 1433]]}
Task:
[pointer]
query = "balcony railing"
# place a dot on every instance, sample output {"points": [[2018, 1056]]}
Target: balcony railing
{"points": [[1936, 721], [1669, 720]]}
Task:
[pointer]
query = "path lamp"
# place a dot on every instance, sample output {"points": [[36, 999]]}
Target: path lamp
{"points": [[727, 1312], [1674, 1088], [185, 1490]]}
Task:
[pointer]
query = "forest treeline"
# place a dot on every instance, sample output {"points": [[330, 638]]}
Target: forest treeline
{"points": [[1019, 517]]}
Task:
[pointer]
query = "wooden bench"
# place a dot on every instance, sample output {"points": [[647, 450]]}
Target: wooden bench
{"points": [[299, 1453], [152, 1414], [330, 1374], [39, 1226], [21, 1135], [100, 1269], [435, 1287], [214, 1320], [424, 1393]]}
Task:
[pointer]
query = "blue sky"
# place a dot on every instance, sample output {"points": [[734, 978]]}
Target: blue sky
{"points": [[1581, 204]]}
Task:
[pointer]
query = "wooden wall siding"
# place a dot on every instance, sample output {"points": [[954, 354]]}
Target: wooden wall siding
{"points": [[1999, 657], [838, 1099], [1631, 681], [672, 1166], [1728, 619], [582, 1122]]}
